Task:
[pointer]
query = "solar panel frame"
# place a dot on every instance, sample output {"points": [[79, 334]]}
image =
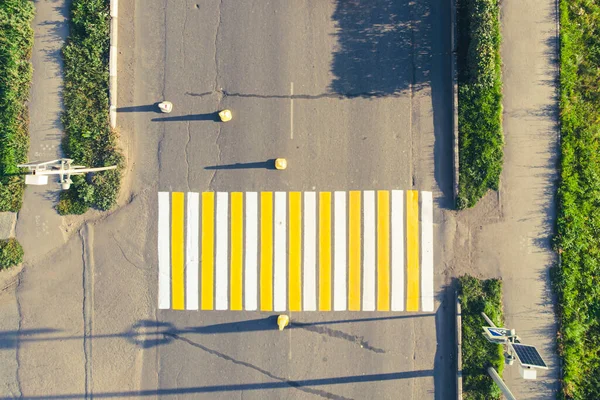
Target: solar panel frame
{"points": [[529, 356]]}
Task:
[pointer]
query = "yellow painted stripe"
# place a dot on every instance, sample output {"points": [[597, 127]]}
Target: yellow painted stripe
{"points": [[266, 251], [412, 250], [295, 246], [383, 250], [325, 251], [237, 234], [208, 244], [354, 244], [177, 276]]}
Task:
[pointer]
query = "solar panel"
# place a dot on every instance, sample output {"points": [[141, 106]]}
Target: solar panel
{"points": [[529, 356]]}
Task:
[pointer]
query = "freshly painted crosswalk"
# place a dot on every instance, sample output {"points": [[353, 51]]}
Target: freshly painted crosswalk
{"points": [[297, 251]]}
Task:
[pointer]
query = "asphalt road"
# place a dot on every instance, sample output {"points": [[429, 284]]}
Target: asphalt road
{"points": [[368, 82], [356, 95]]}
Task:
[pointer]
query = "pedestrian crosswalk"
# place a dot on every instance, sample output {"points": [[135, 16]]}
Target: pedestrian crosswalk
{"points": [[297, 251]]}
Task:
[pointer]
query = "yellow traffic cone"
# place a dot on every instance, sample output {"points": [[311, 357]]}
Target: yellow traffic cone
{"points": [[225, 115], [283, 321], [280, 163]]}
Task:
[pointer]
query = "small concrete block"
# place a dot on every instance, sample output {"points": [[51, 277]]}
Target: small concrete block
{"points": [[280, 163], [8, 220], [225, 115]]}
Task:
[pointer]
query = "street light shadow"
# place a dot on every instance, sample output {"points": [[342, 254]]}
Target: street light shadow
{"points": [[214, 116], [269, 164]]}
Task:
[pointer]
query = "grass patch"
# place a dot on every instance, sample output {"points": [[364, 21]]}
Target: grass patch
{"points": [[477, 296], [480, 136], [577, 281], [16, 42], [89, 139], [11, 253]]}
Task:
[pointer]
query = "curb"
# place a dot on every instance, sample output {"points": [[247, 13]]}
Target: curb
{"points": [[459, 393], [454, 97], [112, 62]]}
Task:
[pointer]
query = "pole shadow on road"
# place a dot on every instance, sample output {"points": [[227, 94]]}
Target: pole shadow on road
{"points": [[269, 164], [280, 383], [144, 108], [151, 333], [214, 116]]}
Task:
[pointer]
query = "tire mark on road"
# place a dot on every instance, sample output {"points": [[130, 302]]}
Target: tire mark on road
{"points": [[339, 335], [293, 384]]}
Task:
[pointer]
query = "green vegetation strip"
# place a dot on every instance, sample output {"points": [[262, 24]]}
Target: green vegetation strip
{"points": [[479, 99], [11, 253], [16, 42], [477, 296], [577, 281], [89, 139]]}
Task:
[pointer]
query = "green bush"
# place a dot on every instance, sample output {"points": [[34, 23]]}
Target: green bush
{"points": [[89, 139], [577, 280], [480, 135], [78, 199], [477, 296], [11, 253], [16, 42]]}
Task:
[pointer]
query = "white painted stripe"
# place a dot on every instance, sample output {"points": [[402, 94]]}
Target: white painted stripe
{"points": [[280, 251], [339, 255], [192, 251], [427, 251], [369, 251], [309, 294], [221, 265], [397, 243], [164, 251], [251, 252]]}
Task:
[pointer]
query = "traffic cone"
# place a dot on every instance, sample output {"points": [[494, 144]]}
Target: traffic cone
{"points": [[283, 321]]}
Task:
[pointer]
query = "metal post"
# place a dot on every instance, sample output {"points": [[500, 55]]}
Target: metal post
{"points": [[505, 390], [489, 321]]}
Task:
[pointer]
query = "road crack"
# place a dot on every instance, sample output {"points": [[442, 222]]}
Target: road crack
{"points": [[340, 96], [87, 243], [187, 156]]}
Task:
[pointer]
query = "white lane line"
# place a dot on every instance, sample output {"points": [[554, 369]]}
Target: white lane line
{"points": [[291, 110], [221, 265], [397, 244], [427, 251], [191, 251], [309, 294], [164, 251], [280, 251], [339, 257], [369, 251], [251, 252]]}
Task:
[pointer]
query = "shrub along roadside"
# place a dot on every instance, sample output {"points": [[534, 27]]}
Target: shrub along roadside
{"points": [[89, 139], [479, 100], [477, 296], [577, 280], [16, 42], [11, 253]]}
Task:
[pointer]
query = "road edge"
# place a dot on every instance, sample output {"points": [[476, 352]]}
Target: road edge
{"points": [[112, 61], [454, 97], [459, 394]]}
